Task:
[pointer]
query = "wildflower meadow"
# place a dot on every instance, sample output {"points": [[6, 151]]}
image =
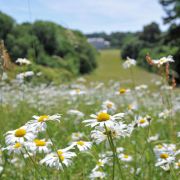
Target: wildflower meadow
{"points": [[99, 126]]}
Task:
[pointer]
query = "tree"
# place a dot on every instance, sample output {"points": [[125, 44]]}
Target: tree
{"points": [[6, 25], [151, 33], [172, 9]]}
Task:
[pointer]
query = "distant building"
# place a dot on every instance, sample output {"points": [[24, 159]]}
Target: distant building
{"points": [[99, 43]]}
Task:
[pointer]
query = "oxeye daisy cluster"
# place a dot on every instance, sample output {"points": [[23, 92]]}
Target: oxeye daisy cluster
{"points": [[25, 141], [113, 131]]}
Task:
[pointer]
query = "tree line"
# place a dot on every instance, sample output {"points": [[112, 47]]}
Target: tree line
{"points": [[47, 44], [151, 39]]}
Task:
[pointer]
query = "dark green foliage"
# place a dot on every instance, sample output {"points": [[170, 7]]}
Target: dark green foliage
{"points": [[48, 44], [151, 33], [6, 25], [132, 49], [172, 9]]}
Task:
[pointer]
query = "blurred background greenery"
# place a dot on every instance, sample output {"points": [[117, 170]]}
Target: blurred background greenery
{"points": [[69, 54]]}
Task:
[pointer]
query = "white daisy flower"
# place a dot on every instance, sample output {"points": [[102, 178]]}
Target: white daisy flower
{"points": [[109, 106], [19, 135], [129, 62], [141, 87], [97, 175], [1, 169], [141, 121], [82, 145], [165, 114], [23, 61], [77, 92], [163, 60], [153, 138], [122, 91], [75, 112], [100, 134], [177, 164], [39, 122], [132, 107], [39, 145], [103, 118], [100, 163], [166, 155], [178, 134], [120, 149], [77, 136], [125, 157], [16, 148], [56, 159]]}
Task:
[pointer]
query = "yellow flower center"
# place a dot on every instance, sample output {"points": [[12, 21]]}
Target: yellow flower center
{"points": [[142, 121], [78, 90], [125, 156], [99, 163], [17, 145], [178, 164], [43, 118], [122, 90], [81, 143], [103, 117], [20, 132], [164, 155], [60, 154], [109, 105], [39, 142], [130, 107], [159, 146]]}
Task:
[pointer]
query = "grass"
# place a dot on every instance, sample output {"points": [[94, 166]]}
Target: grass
{"points": [[110, 68], [57, 99]]}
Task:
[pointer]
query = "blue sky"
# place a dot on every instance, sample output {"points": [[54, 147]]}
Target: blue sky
{"points": [[88, 15]]}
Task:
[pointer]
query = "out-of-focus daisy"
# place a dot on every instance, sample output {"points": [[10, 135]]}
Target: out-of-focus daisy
{"points": [[75, 112], [120, 149], [132, 107], [77, 92], [125, 157], [166, 155], [178, 134], [16, 148], [39, 145], [100, 163], [153, 138], [39, 122], [19, 135], [141, 121], [129, 62], [82, 145], [97, 175], [100, 134], [109, 106], [123, 91], [56, 159], [177, 164], [77, 136], [141, 87], [23, 61], [103, 118], [23, 75], [165, 114], [163, 60]]}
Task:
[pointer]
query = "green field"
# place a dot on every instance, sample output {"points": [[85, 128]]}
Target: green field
{"points": [[19, 102], [110, 68]]}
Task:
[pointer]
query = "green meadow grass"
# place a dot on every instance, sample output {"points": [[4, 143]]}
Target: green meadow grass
{"points": [[109, 68]]}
